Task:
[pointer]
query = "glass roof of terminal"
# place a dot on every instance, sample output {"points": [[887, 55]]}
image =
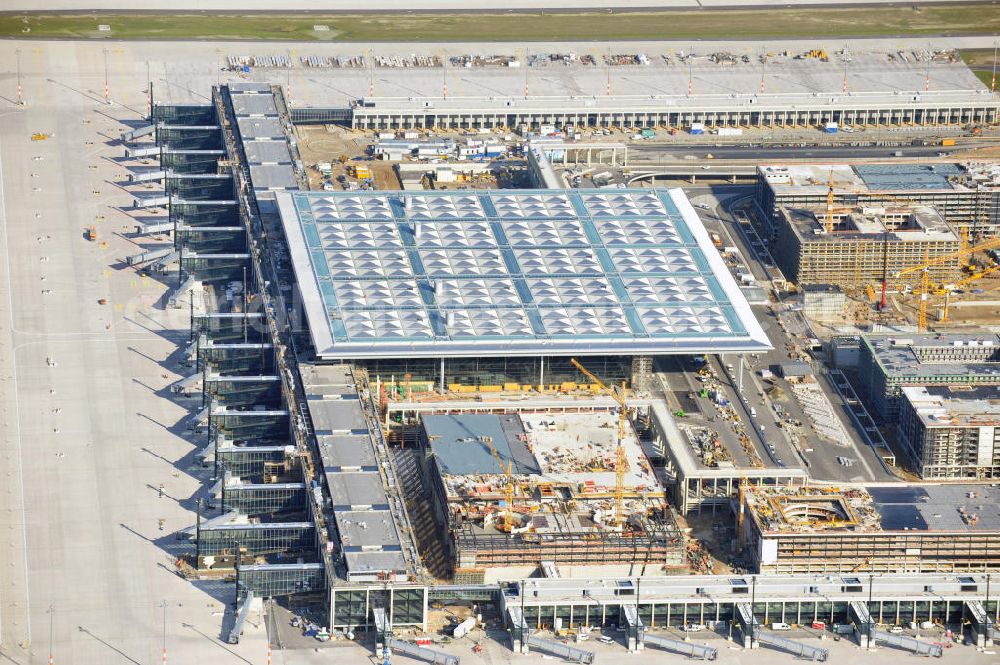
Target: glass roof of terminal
{"points": [[511, 272]]}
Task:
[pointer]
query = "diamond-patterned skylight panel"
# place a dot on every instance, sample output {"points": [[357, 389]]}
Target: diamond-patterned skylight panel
{"points": [[443, 207], [487, 323], [653, 259], [370, 263], [533, 205], [449, 262], [624, 204], [578, 291], [553, 261], [638, 231], [453, 234], [451, 293], [685, 320], [335, 208], [357, 235], [584, 321], [378, 293], [536, 232], [386, 324], [668, 290]]}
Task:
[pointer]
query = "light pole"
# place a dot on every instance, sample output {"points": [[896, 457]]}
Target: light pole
{"points": [[20, 95], [51, 612], [107, 93], [164, 606], [993, 82]]}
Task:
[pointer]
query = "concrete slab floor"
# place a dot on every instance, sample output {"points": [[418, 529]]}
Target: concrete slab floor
{"points": [[89, 431]]}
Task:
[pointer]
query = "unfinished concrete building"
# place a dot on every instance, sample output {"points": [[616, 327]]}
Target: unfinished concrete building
{"points": [[951, 432], [891, 529], [517, 490], [855, 247], [967, 195]]}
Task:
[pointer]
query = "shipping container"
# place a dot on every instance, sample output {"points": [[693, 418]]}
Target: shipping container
{"points": [[648, 133], [697, 128], [947, 142], [830, 128]]}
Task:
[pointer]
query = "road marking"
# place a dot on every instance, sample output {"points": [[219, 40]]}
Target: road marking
{"points": [[17, 403]]}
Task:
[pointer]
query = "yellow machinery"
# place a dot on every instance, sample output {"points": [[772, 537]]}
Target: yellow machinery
{"points": [[509, 485], [621, 461], [925, 286]]}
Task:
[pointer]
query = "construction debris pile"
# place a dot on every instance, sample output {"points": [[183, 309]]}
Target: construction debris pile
{"points": [[706, 445], [484, 61], [817, 407]]}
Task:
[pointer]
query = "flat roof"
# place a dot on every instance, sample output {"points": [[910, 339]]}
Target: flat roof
{"points": [[899, 223], [360, 489], [923, 355], [869, 178], [374, 562], [461, 444], [366, 529], [874, 509], [337, 415], [953, 406], [937, 507], [260, 128], [254, 104], [273, 176], [267, 152], [512, 272], [347, 452]]}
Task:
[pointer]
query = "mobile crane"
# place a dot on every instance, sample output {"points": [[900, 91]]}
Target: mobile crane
{"points": [[619, 395]]}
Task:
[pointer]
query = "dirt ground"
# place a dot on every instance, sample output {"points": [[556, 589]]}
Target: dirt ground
{"points": [[330, 143]]}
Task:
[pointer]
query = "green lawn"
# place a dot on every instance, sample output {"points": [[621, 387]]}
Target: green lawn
{"points": [[524, 26]]}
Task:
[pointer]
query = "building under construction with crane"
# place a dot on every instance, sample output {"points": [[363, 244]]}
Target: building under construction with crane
{"points": [[891, 529], [856, 247], [966, 195], [515, 490]]}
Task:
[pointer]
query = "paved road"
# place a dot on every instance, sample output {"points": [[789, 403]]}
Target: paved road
{"points": [[641, 152]]}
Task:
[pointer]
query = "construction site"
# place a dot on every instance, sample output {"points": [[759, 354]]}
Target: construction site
{"points": [[517, 489], [878, 529]]}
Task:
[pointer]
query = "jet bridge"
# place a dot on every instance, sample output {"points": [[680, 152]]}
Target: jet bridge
{"points": [[689, 649], [139, 132], [384, 640], [758, 635], [868, 635], [983, 628], [564, 651]]}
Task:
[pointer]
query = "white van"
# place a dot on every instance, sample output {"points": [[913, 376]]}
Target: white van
{"points": [[780, 625]]}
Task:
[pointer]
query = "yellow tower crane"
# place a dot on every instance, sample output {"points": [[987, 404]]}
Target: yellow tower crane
{"points": [[510, 484], [620, 395], [925, 277]]}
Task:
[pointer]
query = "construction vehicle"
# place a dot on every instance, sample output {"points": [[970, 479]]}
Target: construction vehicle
{"points": [[621, 460], [38, 136], [91, 233]]}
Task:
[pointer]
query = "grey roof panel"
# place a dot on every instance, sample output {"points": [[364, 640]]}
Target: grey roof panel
{"points": [[357, 490], [267, 152], [337, 415], [255, 104], [273, 176], [260, 128], [351, 451], [461, 443], [367, 529], [937, 507]]}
